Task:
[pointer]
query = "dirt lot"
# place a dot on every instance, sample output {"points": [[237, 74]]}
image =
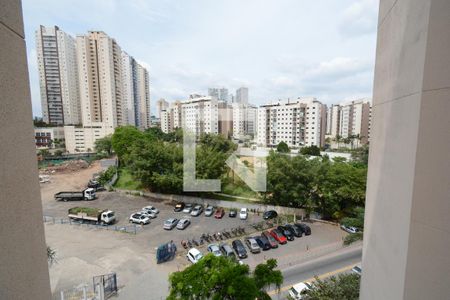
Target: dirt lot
{"points": [[83, 252]]}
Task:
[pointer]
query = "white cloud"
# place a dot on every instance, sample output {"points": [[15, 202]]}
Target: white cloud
{"points": [[278, 49], [359, 18]]}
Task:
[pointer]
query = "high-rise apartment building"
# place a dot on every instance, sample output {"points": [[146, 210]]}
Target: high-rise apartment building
{"points": [[200, 115], [241, 95], [350, 119], [300, 122], [161, 105], [100, 69], [143, 92], [219, 93], [244, 120], [91, 82], [58, 76], [333, 115]]}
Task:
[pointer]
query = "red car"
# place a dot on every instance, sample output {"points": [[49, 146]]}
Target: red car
{"points": [[278, 236], [273, 242], [219, 213]]}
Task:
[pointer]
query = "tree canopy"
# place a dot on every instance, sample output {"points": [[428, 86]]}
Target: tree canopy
{"points": [[331, 188], [283, 148], [311, 150], [104, 145], [343, 287], [222, 278]]}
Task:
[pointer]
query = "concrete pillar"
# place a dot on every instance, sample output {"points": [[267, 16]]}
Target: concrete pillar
{"points": [[23, 258], [407, 225]]}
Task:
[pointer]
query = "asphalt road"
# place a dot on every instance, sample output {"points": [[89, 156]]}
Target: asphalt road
{"points": [[323, 267]]}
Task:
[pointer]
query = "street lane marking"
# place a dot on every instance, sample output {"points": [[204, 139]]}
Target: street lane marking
{"points": [[325, 275]]}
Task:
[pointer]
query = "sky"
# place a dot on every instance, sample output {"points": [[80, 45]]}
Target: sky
{"points": [[279, 49]]}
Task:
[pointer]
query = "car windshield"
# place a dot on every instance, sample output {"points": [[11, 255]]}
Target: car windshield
{"points": [[168, 222], [294, 291], [198, 256]]}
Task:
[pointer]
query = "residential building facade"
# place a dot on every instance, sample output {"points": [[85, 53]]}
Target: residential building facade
{"points": [[91, 83], [244, 120], [58, 76], [45, 137], [297, 123]]}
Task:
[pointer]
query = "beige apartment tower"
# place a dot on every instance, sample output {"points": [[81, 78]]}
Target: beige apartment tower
{"points": [[406, 251]]}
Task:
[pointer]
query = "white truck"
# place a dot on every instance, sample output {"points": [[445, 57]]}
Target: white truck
{"points": [[87, 194], [93, 215]]}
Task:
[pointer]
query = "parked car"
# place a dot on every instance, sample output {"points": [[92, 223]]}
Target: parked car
{"points": [[286, 232], [209, 211], [278, 236], [357, 269], [273, 242], [197, 210], [294, 229], [270, 214], [149, 214], [187, 208], [178, 207], [239, 248], [349, 229], [232, 213], [306, 229], [219, 213], [263, 243], [183, 223], [243, 214], [252, 245], [169, 224], [299, 290], [194, 255], [152, 209], [227, 251], [139, 219], [214, 249]]}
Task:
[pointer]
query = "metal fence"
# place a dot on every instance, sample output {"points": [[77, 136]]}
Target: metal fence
{"points": [[104, 286], [133, 229]]}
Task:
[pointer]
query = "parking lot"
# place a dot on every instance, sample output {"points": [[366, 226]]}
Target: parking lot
{"points": [[137, 254]]}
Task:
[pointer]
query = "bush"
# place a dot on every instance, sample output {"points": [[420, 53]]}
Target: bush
{"points": [[106, 176]]}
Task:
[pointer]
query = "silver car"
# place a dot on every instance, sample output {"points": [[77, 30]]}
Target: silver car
{"points": [[197, 211], [252, 245], [187, 208], [214, 249], [209, 211], [170, 223], [183, 223]]}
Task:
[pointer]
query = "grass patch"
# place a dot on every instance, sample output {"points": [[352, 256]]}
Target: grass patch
{"points": [[240, 190], [127, 182]]}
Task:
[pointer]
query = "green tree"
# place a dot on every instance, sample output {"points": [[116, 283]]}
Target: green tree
{"points": [[342, 287], [221, 278], [123, 139], [283, 148], [104, 145], [44, 153], [311, 150]]}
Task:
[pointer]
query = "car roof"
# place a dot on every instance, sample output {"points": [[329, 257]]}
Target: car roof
{"points": [[194, 251], [301, 286]]}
